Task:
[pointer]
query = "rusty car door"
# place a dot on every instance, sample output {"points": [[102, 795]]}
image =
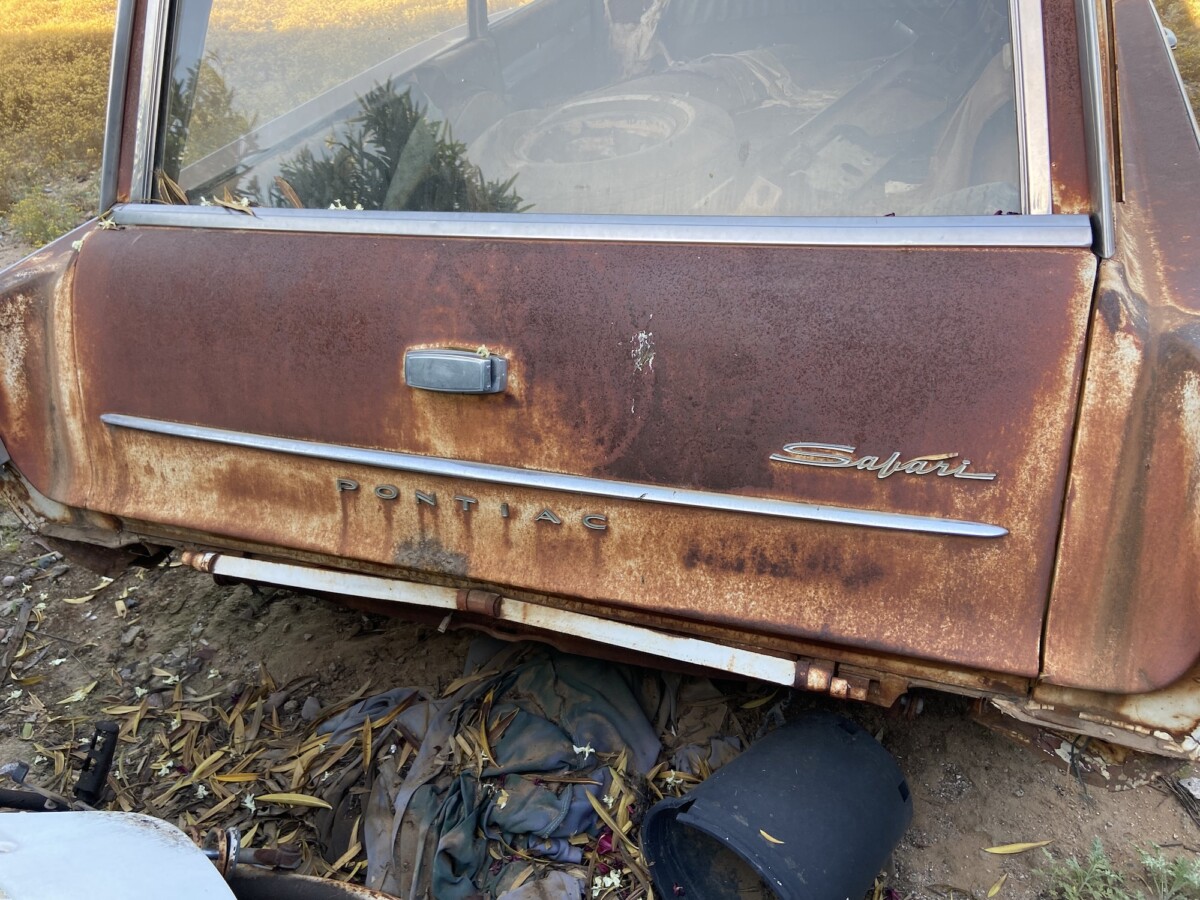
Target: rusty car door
{"points": [[845, 429]]}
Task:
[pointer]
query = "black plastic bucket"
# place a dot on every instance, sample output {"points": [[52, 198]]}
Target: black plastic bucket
{"points": [[812, 811]]}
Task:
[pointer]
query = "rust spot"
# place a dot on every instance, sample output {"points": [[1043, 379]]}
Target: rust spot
{"points": [[427, 554]]}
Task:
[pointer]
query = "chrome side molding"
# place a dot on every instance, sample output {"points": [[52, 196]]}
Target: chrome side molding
{"points": [[553, 481]]}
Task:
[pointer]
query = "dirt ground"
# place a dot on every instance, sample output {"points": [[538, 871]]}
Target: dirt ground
{"points": [[972, 788]]}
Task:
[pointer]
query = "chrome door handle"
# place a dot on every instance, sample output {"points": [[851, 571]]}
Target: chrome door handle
{"points": [[455, 371]]}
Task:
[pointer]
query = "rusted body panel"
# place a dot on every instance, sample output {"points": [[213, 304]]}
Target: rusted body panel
{"points": [[305, 341], [1124, 613], [1068, 157]]}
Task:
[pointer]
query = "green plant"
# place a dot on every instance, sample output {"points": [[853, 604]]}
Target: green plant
{"points": [[393, 156], [1170, 879], [1095, 878], [40, 218]]}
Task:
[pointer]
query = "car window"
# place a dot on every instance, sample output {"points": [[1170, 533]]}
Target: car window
{"points": [[629, 107]]}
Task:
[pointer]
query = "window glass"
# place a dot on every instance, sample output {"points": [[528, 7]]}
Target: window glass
{"points": [[632, 107]]}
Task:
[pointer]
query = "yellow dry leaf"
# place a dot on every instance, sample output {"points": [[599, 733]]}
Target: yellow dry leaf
{"points": [[525, 875], [773, 840], [995, 888], [761, 701], [236, 778], [121, 608], [1006, 849], [78, 600], [291, 799], [347, 857], [366, 744], [353, 850], [608, 820], [79, 694]]}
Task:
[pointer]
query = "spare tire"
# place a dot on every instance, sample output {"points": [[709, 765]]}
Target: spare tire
{"points": [[617, 153]]}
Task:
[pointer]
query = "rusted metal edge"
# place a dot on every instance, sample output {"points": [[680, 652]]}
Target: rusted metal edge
{"points": [[149, 97], [115, 111], [1129, 734], [1178, 77], [553, 481], [847, 231], [735, 661]]}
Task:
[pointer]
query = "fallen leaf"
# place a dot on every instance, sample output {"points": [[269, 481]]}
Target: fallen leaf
{"points": [[78, 600], [1005, 849], [236, 778], [761, 701], [293, 800], [995, 888], [79, 694], [773, 840]]}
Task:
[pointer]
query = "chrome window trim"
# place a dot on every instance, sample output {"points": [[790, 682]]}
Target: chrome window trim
{"points": [[1033, 116], [150, 88], [552, 481], [855, 231], [1095, 123], [114, 114], [1033, 142]]}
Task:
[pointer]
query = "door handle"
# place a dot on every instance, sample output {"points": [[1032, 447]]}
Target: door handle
{"points": [[455, 371]]}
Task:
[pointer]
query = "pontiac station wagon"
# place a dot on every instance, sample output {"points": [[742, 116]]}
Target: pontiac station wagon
{"points": [[852, 346]]}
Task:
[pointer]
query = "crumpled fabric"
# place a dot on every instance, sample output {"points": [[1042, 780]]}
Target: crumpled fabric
{"points": [[426, 833]]}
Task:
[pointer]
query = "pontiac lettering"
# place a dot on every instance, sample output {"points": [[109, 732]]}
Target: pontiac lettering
{"points": [[467, 505], [838, 456]]}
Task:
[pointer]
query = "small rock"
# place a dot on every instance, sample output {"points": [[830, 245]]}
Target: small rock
{"points": [[26, 573], [128, 636], [311, 709], [8, 581], [155, 700], [291, 707], [307, 637], [127, 673], [1192, 786]]}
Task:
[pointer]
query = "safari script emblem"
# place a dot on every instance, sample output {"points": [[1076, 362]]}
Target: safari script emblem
{"points": [[838, 456]]}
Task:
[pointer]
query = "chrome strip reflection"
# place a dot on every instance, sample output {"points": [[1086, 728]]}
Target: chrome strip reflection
{"points": [[1096, 127], [857, 231], [118, 78], [154, 51], [1033, 117], [551, 481]]}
